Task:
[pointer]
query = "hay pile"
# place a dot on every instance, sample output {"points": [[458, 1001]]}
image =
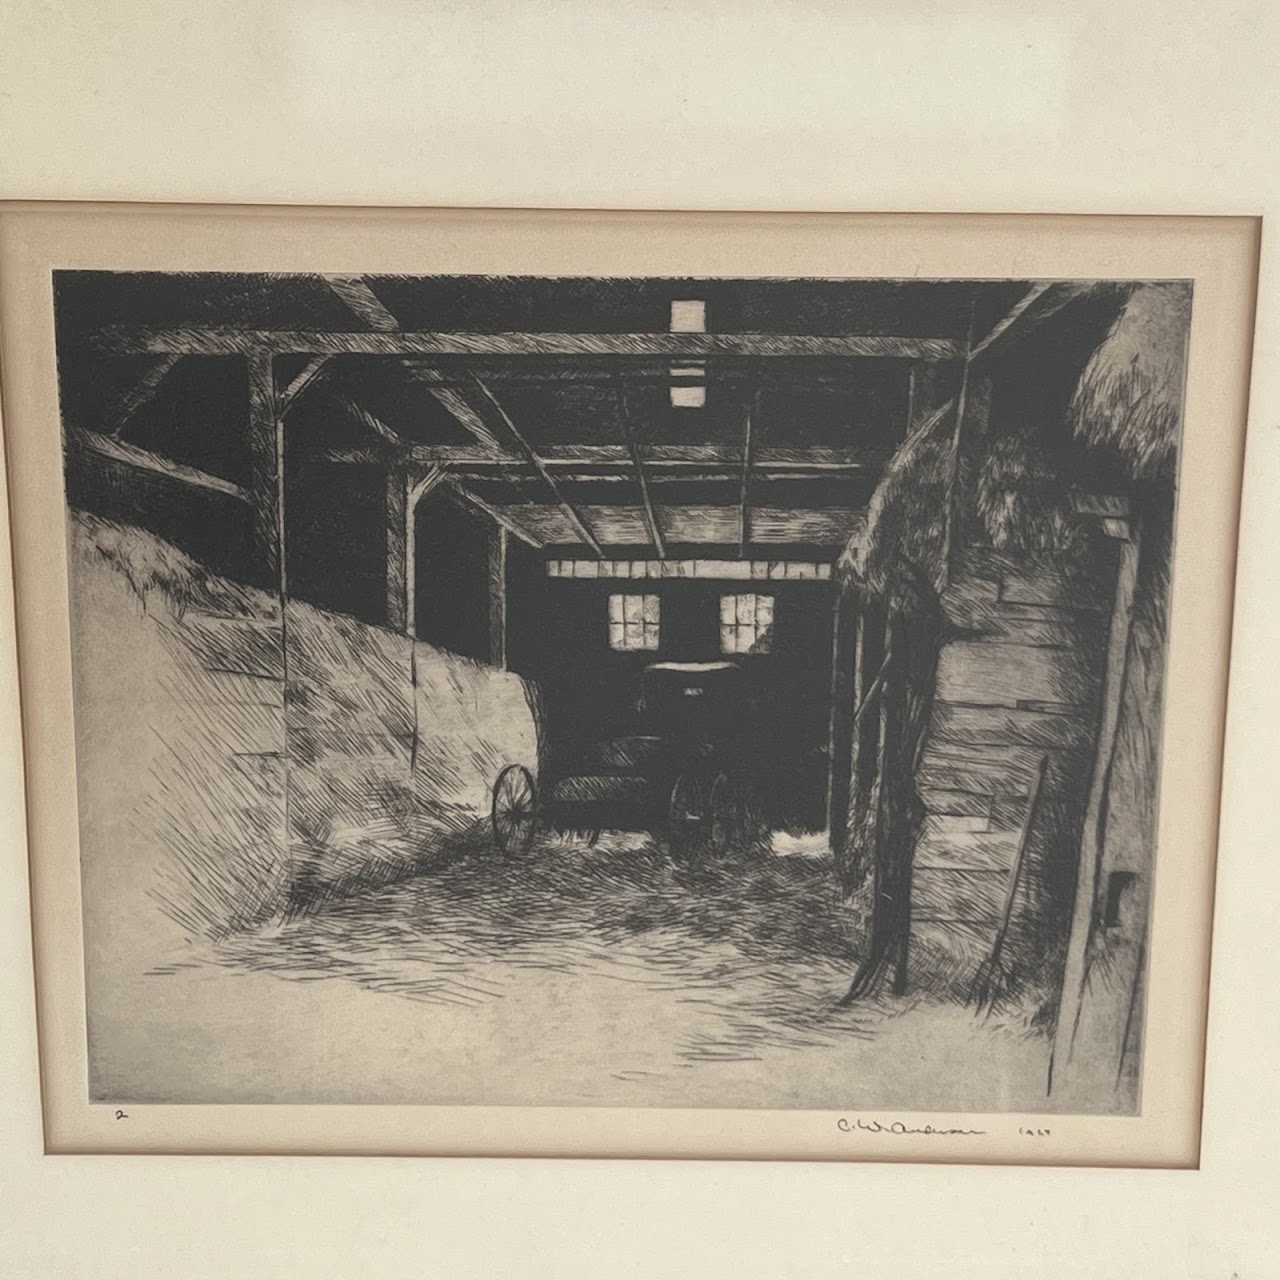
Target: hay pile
{"points": [[1021, 501], [906, 517], [1129, 399]]}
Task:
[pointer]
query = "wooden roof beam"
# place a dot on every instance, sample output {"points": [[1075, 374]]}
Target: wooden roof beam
{"points": [[361, 300], [531, 456], [373, 423], [466, 417], [820, 459], [642, 476], [127, 404], [496, 514], [157, 464], [305, 377], [195, 341]]}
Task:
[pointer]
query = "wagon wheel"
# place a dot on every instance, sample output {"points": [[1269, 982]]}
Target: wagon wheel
{"points": [[515, 809], [686, 815], [728, 820]]}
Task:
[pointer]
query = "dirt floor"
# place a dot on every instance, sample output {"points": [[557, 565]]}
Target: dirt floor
{"points": [[570, 975]]}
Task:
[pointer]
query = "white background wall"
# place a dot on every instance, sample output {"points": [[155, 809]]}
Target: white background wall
{"points": [[1148, 106]]}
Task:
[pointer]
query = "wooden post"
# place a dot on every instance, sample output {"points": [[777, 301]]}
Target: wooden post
{"points": [[400, 602], [266, 484], [1092, 838], [498, 597], [844, 701]]}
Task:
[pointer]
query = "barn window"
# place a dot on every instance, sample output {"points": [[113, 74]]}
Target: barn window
{"points": [[746, 624], [633, 622]]}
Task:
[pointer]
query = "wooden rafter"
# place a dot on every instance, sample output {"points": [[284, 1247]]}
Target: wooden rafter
{"points": [[466, 417], [314, 369], [362, 301], [127, 404], [418, 489], [531, 457], [642, 476], [194, 341], [818, 460], [496, 514], [1020, 309], [744, 508], [145, 460], [371, 421]]}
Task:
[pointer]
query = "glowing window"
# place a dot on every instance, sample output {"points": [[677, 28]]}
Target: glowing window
{"points": [[688, 397], [633, 622], [689, 315], [746, 624]]}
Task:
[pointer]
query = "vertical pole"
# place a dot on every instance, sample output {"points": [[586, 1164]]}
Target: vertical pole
{"points": [[844, 702], [399, 556], [498, 596], [266, 484], [1092, 837]]}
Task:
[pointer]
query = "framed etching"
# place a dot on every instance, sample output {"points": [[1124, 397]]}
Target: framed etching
{"points": [[513, 683]]}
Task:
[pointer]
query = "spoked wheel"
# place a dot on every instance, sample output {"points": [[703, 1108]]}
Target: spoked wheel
{"points": [[728, 817], [686, 816], [515, 809]]}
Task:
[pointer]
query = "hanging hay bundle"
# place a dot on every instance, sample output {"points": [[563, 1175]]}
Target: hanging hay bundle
{"points": [[1129, 400], [906, 517], [1021, 501]]}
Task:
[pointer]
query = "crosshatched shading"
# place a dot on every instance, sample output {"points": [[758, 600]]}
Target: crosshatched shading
{"points": [[620, 692]]}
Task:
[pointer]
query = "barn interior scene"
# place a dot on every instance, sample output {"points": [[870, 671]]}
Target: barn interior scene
{"points": [[618, 691]]}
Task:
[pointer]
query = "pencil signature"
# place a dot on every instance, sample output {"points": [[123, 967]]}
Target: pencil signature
{"points": [[897, 1128]]}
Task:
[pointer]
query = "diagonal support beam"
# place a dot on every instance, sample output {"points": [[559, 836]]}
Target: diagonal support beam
{"points": [[531, 456], [371, 422], [145, 460], [127, 404], [466, 417], [362, 301], [419, 488], [306, 376], [642, 477], [496, 514]]}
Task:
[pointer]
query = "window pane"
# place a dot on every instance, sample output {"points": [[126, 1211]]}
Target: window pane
{"points": [[764, 611], [615, 608], [746, 610], [649, 609], [727, 613]]}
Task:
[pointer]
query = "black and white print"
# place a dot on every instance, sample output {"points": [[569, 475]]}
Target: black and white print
{"points": [[622, 692]]}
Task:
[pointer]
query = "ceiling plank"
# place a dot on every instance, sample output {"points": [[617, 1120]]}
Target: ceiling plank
{"points": [[718, 526], [386, 342], [362, 301]]}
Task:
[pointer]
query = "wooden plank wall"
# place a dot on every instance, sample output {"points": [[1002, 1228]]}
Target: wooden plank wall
{"points": [[1017, 681]]}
